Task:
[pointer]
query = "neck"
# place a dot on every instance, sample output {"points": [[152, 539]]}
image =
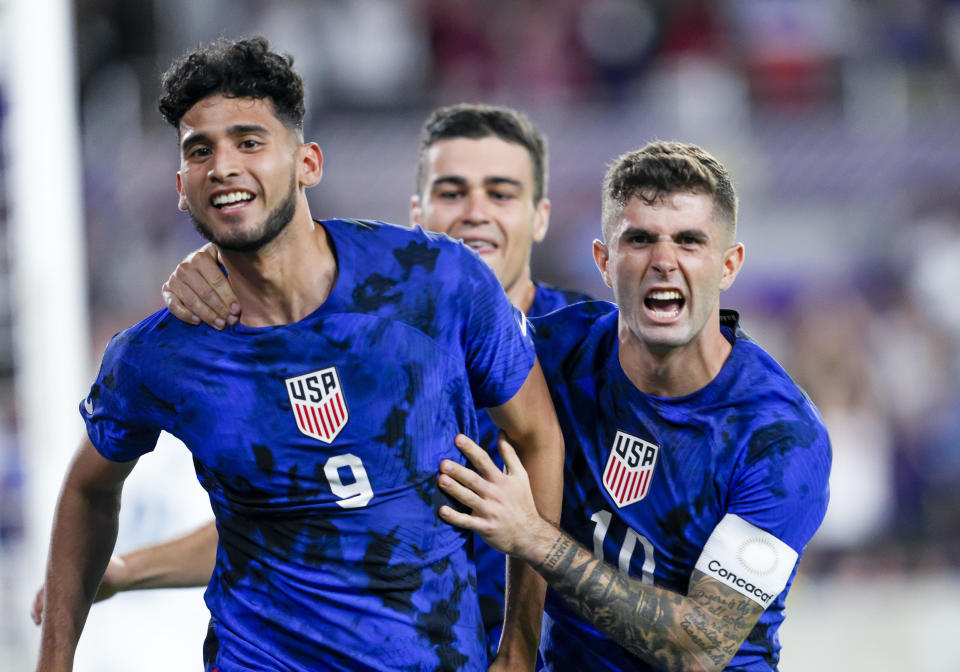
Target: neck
{"points": [[674, 371], [286, 280], [522, 291]]}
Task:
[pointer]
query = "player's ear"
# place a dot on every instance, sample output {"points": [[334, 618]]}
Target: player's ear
{"points": [[541, 220], [732, 262], [416, 211], [601, 255], [310, 164], [182, 203]]}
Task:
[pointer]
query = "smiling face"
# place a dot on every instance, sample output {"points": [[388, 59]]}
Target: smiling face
{"points": [[240, 171], [481, 191], [667, 262]]}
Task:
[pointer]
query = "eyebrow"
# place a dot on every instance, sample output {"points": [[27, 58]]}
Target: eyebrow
{"points": [[243, 129], [493, 181], [458, 181], [449, 179], [699, 234], [195, 139], [237, 129]]}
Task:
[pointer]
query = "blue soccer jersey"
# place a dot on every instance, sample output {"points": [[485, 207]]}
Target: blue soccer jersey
{"points": [[490, 562], [319, 443], [750, 443]]}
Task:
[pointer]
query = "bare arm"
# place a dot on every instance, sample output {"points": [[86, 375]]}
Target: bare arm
{"points": [[182, 562], [84, 532], [198, 291], [531, 423], [699, 631]]}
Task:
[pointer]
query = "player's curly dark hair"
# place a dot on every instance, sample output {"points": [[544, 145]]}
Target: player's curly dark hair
{"points": [[662, 168], [475, 121], [235, 69]]}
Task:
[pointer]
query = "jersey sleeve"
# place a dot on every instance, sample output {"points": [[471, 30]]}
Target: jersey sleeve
{"points": [[122, 419], [783, 485], [497, 340], [777, 502]]}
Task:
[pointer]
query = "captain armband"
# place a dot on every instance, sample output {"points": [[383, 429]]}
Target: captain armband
{"points": [[749, 560]]}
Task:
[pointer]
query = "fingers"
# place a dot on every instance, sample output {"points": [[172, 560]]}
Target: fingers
{"points": [[198, 291], [458, 484], [215, 290], [175, 305], [478, 457], [510, 459], [36, 613], [457, 518]]}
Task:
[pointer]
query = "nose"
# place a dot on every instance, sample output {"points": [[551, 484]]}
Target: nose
{"points": [[664, 259], [476, 210], [224, 164]]}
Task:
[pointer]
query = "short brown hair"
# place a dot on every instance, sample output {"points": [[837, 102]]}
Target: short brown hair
{"points": [[662, 168], [475, 121]]}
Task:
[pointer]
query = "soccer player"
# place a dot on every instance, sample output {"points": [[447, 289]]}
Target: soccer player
{"points": [[481, 178], [696, 470], [316, 424]]}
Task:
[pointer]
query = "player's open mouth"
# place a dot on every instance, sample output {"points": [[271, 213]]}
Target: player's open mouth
{"points": [[231, 199], [481, 246], [664, 303]]}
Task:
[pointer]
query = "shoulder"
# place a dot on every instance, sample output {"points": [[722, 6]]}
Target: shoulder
{"points": [[755, 377], [781, 481], [782, 420], [549, 298], [573, 322], [423, 279], [158, 343], [153, 330], [409, 245], [565, 336], [395, 254], [151, 350], [764, 380]]}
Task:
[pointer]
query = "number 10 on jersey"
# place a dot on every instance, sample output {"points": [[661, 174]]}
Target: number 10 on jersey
{"points": [[627, 549]]}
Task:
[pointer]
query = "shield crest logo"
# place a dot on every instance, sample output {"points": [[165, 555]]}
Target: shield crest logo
{"points": [[629, 469], [318, 405]]}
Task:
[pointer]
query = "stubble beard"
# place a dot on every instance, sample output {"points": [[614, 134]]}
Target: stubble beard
{"points": [[274, 224]]}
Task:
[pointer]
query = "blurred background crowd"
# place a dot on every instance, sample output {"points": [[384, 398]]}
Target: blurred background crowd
{"points": [[837, 118]]}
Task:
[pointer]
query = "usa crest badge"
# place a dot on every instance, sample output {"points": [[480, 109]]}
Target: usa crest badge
{"points": [[317, 402], [629, 469]]}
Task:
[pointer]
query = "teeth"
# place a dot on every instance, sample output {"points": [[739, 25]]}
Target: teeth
{"points": [[232, 197], [665, 295], [477, 244]]}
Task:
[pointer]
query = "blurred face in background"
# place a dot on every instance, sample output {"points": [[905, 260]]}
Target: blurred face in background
{"points": [[481, 191]]}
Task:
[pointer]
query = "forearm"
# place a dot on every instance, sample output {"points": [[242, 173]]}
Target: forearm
{"points": [[182, 562], [542, 457], [523, 616], [664, 628], [699, 631], [531, 424], [84, 533]]}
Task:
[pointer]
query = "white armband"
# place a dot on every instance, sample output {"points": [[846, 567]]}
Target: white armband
{"points": [[749, 560]]}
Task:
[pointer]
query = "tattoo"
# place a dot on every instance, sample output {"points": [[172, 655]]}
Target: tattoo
{"points": [[560, 548], [700, 631]]}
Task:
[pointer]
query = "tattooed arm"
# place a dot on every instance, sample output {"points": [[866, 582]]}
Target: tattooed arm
{"points": [[698, 631]]}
